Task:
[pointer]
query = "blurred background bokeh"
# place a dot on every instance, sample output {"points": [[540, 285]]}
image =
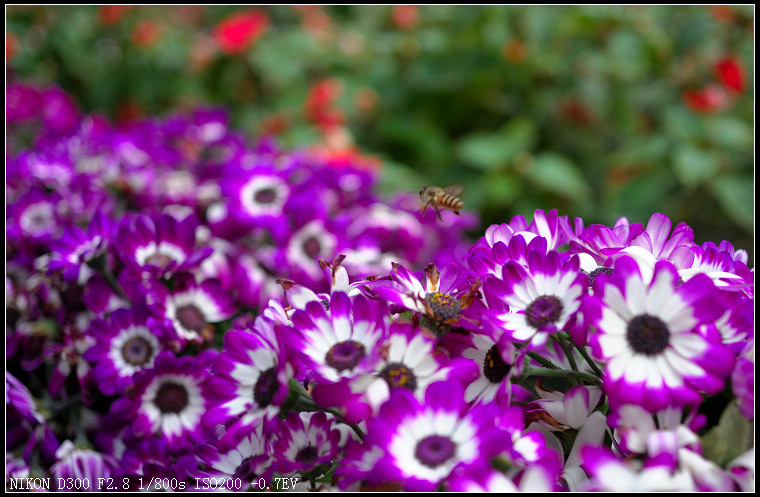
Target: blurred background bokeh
{"points": [[600, 112]]}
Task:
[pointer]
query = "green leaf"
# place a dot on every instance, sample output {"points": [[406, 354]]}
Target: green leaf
{"points": [[736, 197], [495, 151], [682, 124], [498, 191], [733, 436], [729, 132], [556, 173], [694, 166], [397, 178]]}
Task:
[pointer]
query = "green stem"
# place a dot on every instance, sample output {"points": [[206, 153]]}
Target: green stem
{"points": [[306, 403], [531, 371], [589, 360], [568, 352], [543, 361]]}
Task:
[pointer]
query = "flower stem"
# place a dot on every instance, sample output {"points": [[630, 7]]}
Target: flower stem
{"points": [[568, 351], [543, 361], [306, 403], [589, 360], [531, 371]]}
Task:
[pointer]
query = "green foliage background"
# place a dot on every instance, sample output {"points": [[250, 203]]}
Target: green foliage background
{"points": [[567, 107]]}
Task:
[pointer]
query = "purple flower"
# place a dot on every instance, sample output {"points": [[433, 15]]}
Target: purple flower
{"points": [[646, 246], [410, 360], [743, 380], [245, 462], [314, 241], [342, 344], [257, 196], [191, 308], [720, 265], [305, 441], [76, 248], [22, 103], [124, 344], [498, 365], [35, 217], [611, 474], [169, 399], [423, 442], [59, 111], [251, 380], [542, 296], [483, 478], [639, 432], [442, 299], [84, 465], [160, 246], [648, 335]]}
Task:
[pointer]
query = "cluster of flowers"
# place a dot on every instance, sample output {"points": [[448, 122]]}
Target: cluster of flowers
{"points": [[546, 356]]}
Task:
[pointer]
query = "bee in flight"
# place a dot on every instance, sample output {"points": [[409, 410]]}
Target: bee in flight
{"points": [[441, 198]]}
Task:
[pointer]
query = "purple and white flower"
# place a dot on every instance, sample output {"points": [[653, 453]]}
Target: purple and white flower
{"points": [[543, 296], [83, 466], [648, 335], [410, 360], [169, 400], [339, 344], [251, 380], [191, 308], [123, 345], [499, 363], [305, 441], [160, 246], [243, 464], [425, 441]]}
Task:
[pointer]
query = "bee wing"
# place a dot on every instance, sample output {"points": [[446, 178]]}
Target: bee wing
{"points": [[454, 190]]}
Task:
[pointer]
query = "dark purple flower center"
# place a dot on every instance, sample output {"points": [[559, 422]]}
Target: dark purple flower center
{"points": [[265, 196], [191, 318], [596, 272], [307, 455], [265, 387], [544, 310], [648, 335], [137, 351], [397, 375], [171, 397], [494, 367], [312, 247], [443, 305], [345, 355], [246, 471], [434, 450]]}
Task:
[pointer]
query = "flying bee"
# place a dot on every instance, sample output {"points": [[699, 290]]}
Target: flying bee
{"points": [[441, 198]]}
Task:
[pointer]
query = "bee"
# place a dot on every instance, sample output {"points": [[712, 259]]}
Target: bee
{"points": [[441, 198]]}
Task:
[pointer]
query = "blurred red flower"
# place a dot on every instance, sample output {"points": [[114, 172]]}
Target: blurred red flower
{"points": [[731, 74], [318, 105], [145, 33], [711, 98], [722, 13], [275, 124], [128, 111], [236, 32], [323, 93], [11, 46], [405, 16], [111, 14]]}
